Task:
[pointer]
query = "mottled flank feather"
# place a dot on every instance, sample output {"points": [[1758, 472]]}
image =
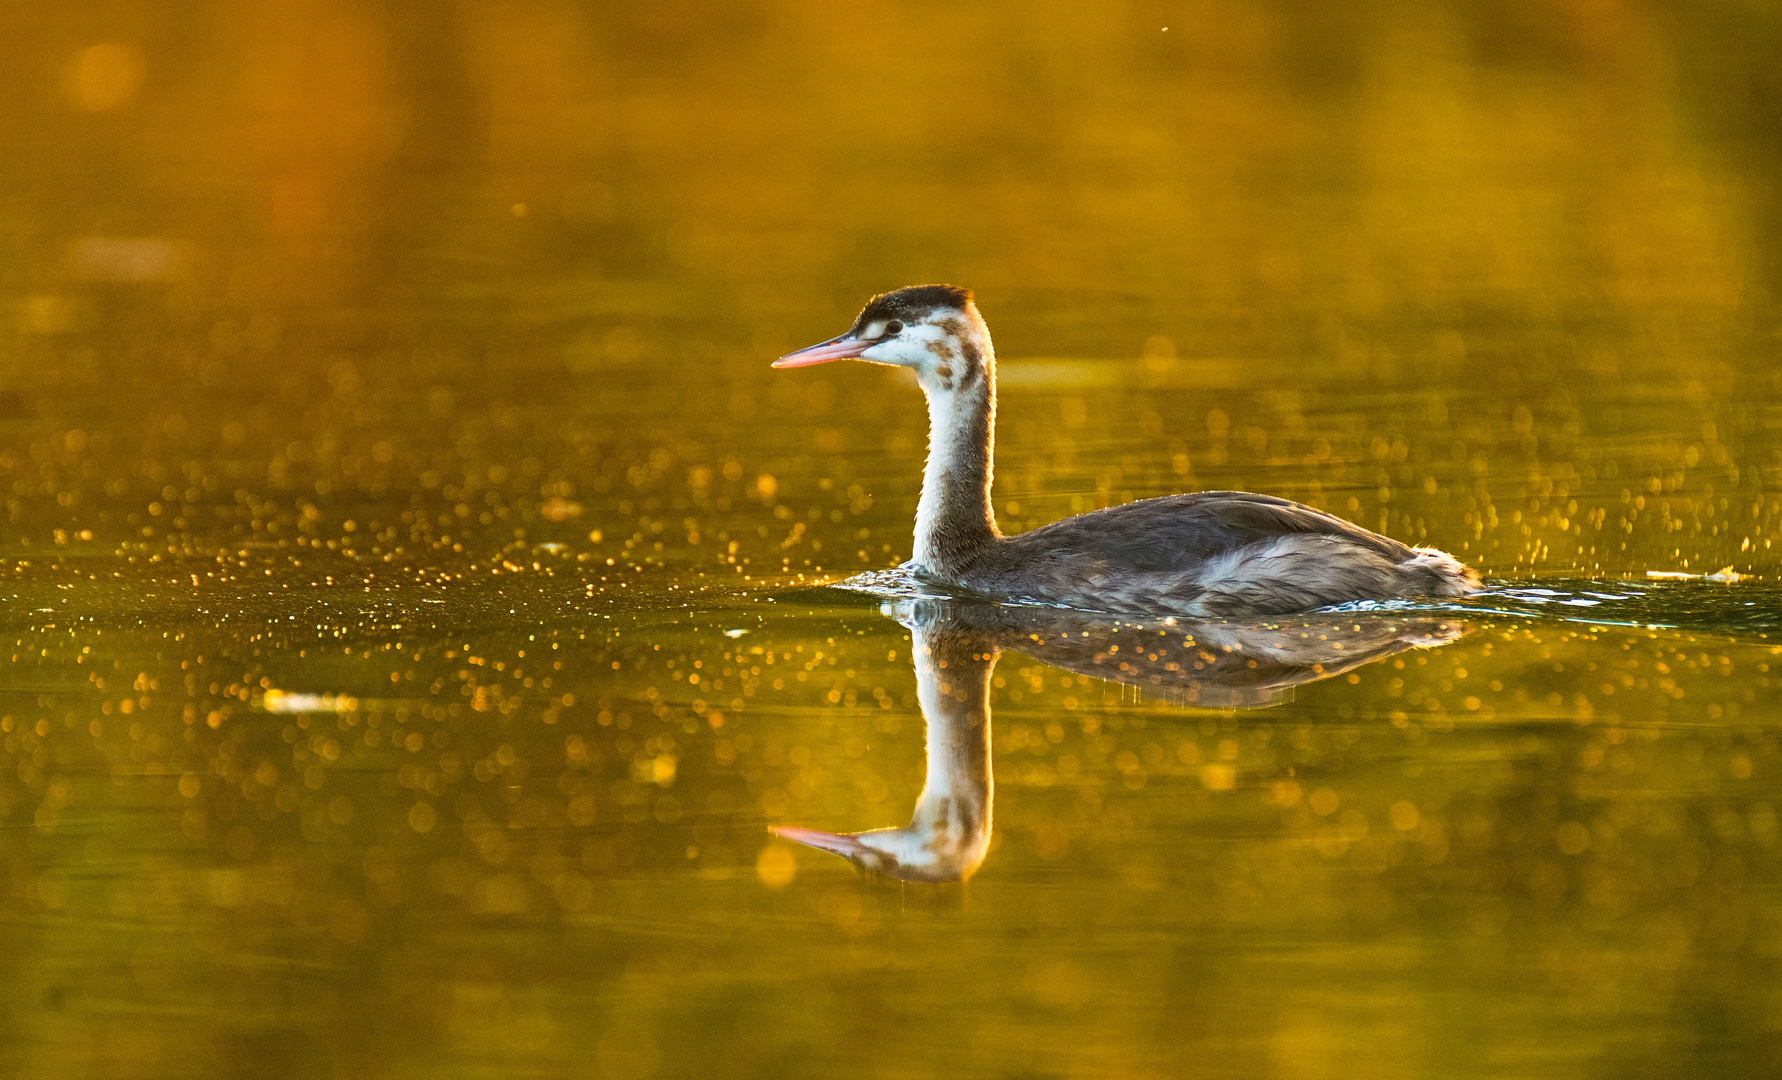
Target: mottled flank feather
{"points": [[1136, 573], [1211, 553]]}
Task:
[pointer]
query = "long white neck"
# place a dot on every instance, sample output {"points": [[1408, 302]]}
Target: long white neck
{"points": [[955, 521]]}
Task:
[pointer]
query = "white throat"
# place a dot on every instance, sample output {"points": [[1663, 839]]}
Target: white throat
{"points": [[946, 453]]}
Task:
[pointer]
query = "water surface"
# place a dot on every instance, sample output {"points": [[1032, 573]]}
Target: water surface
{"points": [[423, 597]]}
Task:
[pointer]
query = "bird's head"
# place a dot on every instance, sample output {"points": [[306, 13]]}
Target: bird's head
{"points": [[934, 330], [911, 853]]}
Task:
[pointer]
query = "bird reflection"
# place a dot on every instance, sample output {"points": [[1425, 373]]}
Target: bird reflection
{"points": [[1220, 664]]}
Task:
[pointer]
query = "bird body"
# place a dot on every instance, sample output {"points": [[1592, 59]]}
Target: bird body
{"points": [[1205, 554]]}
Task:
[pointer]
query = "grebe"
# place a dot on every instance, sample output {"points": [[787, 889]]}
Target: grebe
{"points": [[1217, 664], [1210, 553]]}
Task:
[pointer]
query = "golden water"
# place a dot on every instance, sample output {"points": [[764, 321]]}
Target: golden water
{"points": [[417, 606]]}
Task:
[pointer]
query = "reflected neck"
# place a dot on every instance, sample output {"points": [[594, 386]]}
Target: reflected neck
{"points": [[955, 522], [953, 686]]}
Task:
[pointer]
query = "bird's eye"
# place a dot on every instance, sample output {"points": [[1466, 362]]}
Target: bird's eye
{"points": [[893, 328]]}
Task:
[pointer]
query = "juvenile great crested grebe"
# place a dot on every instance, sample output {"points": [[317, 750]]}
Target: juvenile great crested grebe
{"points": [[1211, 553]]}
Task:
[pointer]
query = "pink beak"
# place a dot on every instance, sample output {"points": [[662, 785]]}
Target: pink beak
{"points": [[836, 843], [846, 347]]}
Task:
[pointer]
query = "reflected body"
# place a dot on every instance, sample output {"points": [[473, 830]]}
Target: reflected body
{"points": [[1211, 553], [955, 649]]}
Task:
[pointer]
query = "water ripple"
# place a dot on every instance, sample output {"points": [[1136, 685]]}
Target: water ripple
{"points": [[1739, 609]]}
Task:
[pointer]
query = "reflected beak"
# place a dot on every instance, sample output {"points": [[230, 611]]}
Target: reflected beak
{"points": [[836, 843], [846, 347]]}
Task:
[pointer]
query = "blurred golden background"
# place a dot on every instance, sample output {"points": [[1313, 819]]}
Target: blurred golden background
{"points": [[1454, 165]]}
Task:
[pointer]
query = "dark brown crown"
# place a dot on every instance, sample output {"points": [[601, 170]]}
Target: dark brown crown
{"points": [[912, 303]]}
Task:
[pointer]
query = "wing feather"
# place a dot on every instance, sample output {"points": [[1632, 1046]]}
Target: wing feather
{"points": [[1181, 532]]}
